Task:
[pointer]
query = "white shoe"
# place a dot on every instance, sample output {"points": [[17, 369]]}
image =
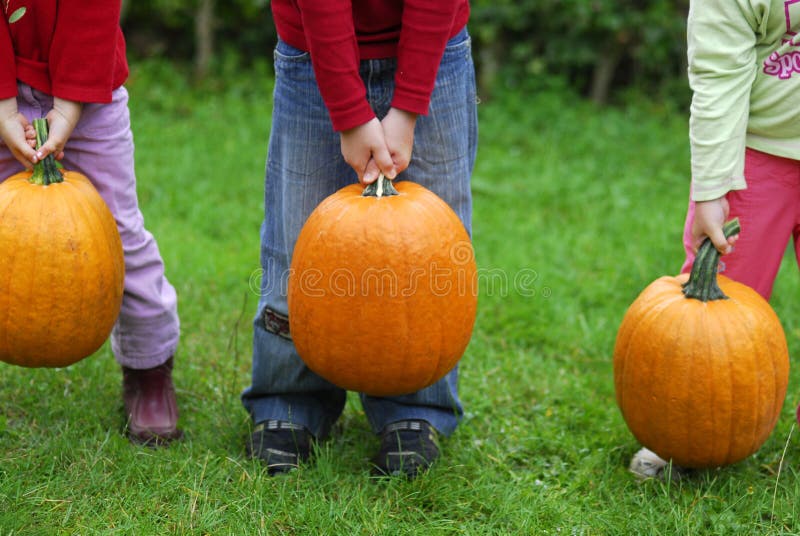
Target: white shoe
{"points": [[647, 464]]}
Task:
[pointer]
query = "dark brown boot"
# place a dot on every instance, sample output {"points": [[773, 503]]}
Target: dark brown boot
{"points": [[150, 405]]}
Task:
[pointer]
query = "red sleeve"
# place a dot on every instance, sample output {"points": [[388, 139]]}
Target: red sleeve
{"points": [[84, 48], [8, 69], [331, 39], [425, 30]]}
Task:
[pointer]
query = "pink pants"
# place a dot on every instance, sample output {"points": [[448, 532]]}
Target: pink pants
{"points": [[769, 213], [101, 147]]}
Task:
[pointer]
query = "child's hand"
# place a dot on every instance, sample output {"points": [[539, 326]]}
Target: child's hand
{"points": [[709, 216], [17, 132], [364, 148], [398, 128], [61, 121]]}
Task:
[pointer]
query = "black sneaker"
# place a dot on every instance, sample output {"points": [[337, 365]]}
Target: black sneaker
{"points": [[407, 448], [282, 445]]}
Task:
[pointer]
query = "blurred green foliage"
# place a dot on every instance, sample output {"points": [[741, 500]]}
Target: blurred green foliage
{"points": [[634, 43], [601, 48], [166, 28]]}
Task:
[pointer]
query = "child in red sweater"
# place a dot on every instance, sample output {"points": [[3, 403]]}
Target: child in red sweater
{"points": [[362, 87]]}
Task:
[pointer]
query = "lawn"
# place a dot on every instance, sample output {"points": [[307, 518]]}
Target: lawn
{"points": [[577, 209]]}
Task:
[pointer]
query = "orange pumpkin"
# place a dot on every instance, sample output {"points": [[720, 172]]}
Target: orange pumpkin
{"points": [[61, 267], [700, 368], [382, 289]]}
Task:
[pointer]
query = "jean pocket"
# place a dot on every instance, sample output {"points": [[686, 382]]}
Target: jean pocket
{"points": [[284, 52], [459, 43]]}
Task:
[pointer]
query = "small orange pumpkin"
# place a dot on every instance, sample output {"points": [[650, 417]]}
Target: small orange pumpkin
{"points": [[61, 266], [700, 368], [382, 288]]}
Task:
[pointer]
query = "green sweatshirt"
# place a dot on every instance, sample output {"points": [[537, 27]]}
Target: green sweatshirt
{"points": [[744, 71]]}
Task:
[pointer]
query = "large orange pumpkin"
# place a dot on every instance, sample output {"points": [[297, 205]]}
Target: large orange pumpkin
{"points": [[382, 289], [701, 369], [61, 267]]}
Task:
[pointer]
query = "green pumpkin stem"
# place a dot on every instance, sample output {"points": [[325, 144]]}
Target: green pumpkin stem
{"points": [[702, 284], [380, 188], [45, 171]]}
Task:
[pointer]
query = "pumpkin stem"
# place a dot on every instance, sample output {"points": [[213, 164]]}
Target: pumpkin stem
{"points": [[45, 171], [380, 188], [702, 284]]}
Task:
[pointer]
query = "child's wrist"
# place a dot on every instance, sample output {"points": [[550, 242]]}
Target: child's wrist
{"points": [[411, 116], [8, 108], [69, 110]]}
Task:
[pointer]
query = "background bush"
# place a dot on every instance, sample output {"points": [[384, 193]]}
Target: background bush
{"points": [[601, 48]]}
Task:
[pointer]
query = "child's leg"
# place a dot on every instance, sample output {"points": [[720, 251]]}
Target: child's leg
{"points": [[767, 211], [304, 166], [796, 238], [101, 147], [445, 144]]}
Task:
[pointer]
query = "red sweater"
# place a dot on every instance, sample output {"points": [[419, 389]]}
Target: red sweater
{"points": [[72, 49], [339, 33]]}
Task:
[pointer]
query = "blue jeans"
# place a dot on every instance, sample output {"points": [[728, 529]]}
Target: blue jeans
{"points": [[305, 165]]}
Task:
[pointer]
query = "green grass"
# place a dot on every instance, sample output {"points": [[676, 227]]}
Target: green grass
{"points": [[576, 210]]}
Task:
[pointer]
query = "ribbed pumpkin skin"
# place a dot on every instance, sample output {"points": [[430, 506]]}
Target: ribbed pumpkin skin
{"points": [[700, 383], [363, 310], [61, 271]]}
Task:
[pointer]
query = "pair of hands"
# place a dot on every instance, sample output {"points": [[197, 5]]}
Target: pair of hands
{"points": [[20, 137], [385, 147], [380, 146], [709, 216]]}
